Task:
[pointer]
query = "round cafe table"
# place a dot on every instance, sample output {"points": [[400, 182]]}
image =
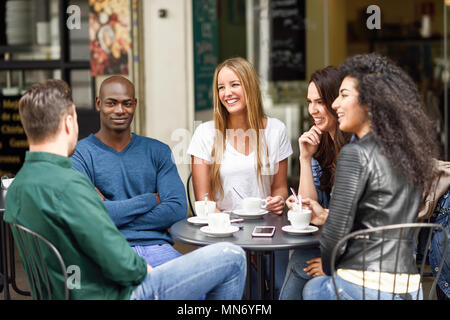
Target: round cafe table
{"points": [[189, 233]]}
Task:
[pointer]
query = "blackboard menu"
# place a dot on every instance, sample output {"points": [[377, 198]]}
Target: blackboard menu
{"points": [[13, 141], [288, 37], [205, 50]]}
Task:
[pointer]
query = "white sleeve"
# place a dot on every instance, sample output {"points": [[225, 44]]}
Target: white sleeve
{"points": [[202, 142], [285, 148]]}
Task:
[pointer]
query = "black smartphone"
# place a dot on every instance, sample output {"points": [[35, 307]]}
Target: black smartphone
{"points": [[263, 231]]}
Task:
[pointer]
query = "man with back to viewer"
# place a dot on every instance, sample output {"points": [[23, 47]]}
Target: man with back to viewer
{"points": [[50, 198], [134, 175]]}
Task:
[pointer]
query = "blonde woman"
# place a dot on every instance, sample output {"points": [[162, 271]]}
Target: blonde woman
{"points": [[242, 149]]}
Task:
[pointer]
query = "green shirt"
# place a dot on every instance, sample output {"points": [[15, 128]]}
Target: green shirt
{"points": [[50, 198]]}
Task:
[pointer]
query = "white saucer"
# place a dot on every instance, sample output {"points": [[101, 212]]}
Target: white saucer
{"points": [[291, 230], [198, 220], [250, 215], [211, 233]]}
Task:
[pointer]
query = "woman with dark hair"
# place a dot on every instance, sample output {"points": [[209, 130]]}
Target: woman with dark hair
{"points": [[379, 180], [319, 147]]}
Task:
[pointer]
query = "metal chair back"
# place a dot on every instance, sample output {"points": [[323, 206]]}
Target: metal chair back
{"points": [[188, 192], [35, 258], [364, 235]]}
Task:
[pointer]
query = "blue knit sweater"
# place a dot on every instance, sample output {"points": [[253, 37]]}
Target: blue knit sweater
{"points": [[129, 179]]}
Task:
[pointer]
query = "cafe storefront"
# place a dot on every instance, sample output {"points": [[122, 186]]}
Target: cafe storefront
{"points": [[169, 49]]}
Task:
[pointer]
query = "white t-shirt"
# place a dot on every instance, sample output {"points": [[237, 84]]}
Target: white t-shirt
{"points": [[238, 170]]}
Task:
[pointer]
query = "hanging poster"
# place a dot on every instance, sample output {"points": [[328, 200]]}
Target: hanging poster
{"points": [[13, 141], [205, 50], [109, 36]]}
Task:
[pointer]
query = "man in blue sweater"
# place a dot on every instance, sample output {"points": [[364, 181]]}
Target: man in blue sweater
{"points": [[134, 175]]}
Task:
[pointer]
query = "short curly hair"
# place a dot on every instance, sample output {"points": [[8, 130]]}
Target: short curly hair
{"points": [[397, 115]]}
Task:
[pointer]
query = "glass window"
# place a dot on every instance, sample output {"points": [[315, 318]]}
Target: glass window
{"points": [[81, 83]]}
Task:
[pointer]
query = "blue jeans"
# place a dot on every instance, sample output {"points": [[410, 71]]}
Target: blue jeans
{"points": [[436, 249], [296, 278], [217, 270], [157, 254], [322, 288]]}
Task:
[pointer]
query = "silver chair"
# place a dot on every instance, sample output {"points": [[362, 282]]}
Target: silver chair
{"points": [[38, 255], [188, 192], [8, 265], [367, 234]]}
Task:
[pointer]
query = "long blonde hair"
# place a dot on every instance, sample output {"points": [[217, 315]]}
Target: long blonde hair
{"points": [[248, 78]]}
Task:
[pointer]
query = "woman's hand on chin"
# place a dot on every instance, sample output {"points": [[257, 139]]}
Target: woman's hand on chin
{"points": [[309, 143]]}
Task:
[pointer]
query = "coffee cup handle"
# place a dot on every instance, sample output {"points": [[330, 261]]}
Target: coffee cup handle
{"points": [[264, 203]]}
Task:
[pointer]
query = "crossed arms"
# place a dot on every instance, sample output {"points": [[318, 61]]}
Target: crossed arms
{"points": [[155, 211]]}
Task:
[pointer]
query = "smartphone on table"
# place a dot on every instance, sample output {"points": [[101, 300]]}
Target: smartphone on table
{"points": [[263, 231]]}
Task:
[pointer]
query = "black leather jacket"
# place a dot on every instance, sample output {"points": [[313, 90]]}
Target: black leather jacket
{"points": [[368, 192]]}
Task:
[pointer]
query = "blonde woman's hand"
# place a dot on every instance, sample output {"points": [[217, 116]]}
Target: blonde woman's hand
{"points": [[275, 204], [309, 142], [318, 214]]}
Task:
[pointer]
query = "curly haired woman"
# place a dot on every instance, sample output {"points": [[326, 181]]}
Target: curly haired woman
{"points": [[379, 180]]}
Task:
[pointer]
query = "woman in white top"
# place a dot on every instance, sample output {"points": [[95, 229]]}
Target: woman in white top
{"points": [[241, 149]]}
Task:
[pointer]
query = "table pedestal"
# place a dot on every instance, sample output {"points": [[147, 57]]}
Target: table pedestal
{"points": [[259, 247]]}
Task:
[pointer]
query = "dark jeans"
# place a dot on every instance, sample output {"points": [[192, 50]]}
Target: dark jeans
{"points": [[296, 278]]}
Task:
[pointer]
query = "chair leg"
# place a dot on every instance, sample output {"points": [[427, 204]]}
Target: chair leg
{"points": [[12, 265], [4, 266], [260, 275], [248, 286]]}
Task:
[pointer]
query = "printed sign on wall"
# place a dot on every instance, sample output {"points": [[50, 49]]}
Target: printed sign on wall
{"points": [[205, 50], [109, 36], [13, 141]]}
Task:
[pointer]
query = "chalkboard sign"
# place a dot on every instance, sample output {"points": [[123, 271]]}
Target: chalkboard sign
{"points": [[13, 141], [205, 50], [287, 55]]}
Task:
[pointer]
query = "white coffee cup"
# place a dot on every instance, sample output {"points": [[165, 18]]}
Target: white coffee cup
{"points": [[202, 208], [295, 206], [252, 204], [299, 219], [219, 222]]}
